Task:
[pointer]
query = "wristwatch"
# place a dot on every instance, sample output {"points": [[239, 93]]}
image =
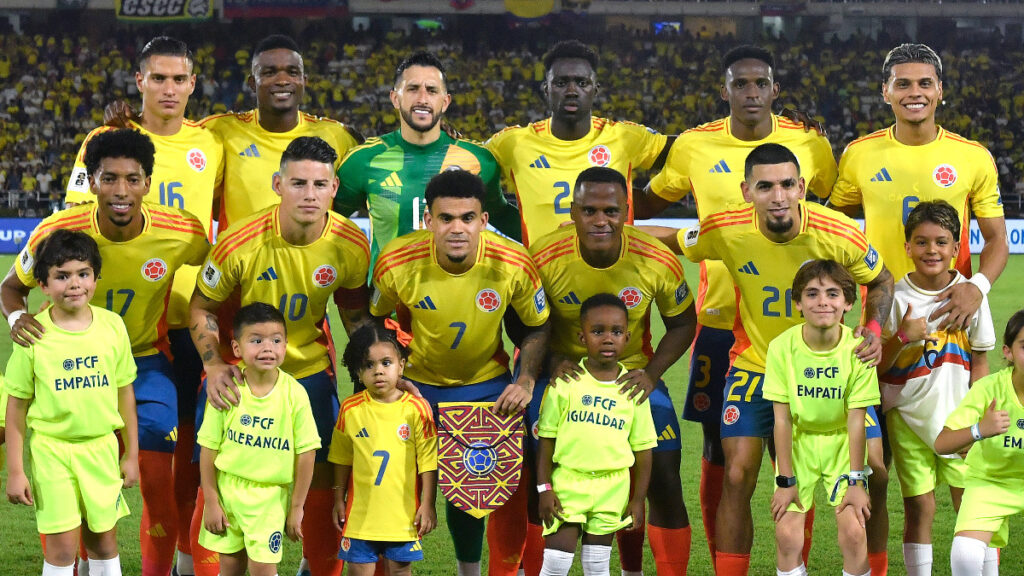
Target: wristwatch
{"points": [[785, 481]]}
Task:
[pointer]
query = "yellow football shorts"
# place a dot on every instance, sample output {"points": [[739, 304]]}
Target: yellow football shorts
{"points": [[76, 481], [256, 513], [594, 501], [819, 458], [987, 506], [918, 467]]}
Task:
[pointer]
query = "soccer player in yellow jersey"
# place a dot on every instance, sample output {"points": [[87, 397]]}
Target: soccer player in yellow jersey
{"points": [[706, 162], [254, 140], [762, 246], [148, 243], [450, 285], [296, 256], [187, 175], [540, 162], [73, 389], [914, 160], [600, 254]]}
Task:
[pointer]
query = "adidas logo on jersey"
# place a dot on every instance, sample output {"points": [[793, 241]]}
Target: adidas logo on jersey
{"points": [[541, 162], [250, 152], [882, 176], [667, 434], [569, 298], [268, 274], [720, 168], [749, 268], [426, 304], [363, 434], [392, 181]]}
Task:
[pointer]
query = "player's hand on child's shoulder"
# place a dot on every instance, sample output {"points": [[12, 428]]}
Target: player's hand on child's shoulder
{"points": [[563, 368], [130, 472], [26, 330], [781, 500], [962, 300], [857, 499], [293, 526], [213, 518], [637, 385], [994, 422], [18, 489], [550, 508], [118, 114], [408, 386], [221, 385], [426, 519], [915, 329], [869, 351]]}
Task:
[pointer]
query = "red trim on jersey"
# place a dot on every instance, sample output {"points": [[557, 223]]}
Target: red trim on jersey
{"points": [[730, 218], [963, 259], [400, 257], [348, 404], [837, 228], [74, 223], [739, 333], [243, 235], [541, 126], [506, 254], [638, 246], [713, 126], [425, 412], [532, 273], [355, 236], [874, 135], [551, 257], [554, 246], [599, 123]]}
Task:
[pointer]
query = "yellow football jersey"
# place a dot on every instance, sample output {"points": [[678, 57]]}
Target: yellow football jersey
{"points": [[387, 446], [707, 161], [135, 276], [455, 320], [646, 272], [187, 170], [542, 169], [253, 257], [252, 155], [763, 270], [890, 178]]}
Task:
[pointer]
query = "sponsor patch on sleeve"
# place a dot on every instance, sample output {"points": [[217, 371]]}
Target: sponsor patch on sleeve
{"points": [[211, 275], [690, 239], [682, 292], [539, 300], [871, 258], [79, 181], [26, 261]]}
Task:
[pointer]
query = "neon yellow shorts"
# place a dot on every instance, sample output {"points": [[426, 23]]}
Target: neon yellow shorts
{"points": [[918, 467], [256, 513], [3, 405], [987, 506], [819, 458], [594, 501], [76, 481]]}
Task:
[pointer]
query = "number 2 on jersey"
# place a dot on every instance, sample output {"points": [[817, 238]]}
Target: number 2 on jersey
{"points": [[563, 200]]}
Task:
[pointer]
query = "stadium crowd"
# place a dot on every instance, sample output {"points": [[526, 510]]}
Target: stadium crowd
{"points": [[56, 85]]}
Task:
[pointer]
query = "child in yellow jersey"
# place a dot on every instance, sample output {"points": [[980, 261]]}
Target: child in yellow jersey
{"points": [[73, 389], [584, 476], [257, 458], [384, 441], [820, 392], [989, 425]]}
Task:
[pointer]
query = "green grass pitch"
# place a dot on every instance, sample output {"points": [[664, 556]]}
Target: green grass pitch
{"points": [[21, 553]]}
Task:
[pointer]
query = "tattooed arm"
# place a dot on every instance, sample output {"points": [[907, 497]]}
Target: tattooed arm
{"points": [[220, 376], [876, 309]]}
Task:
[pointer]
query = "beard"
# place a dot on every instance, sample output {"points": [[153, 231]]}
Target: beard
{"points": [[407, 116], [779, 226]]}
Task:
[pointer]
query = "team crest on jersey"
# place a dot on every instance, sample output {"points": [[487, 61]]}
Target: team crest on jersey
{"points": [[211, 275], [403, 432], [682, 292], [1020, 423], [154, 269], [731, 415], [600, 155], [275, 542], [871, 258], [539, 301], [324, 275], [346, 544], [488, 300], [691, 236], [701, 401], [196, 159], [631, 297], [944, 175]]}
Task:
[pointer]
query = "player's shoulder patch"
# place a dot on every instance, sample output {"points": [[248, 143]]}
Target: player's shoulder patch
{"points": [[211, 274], [691, 236], [871, 258], [682, 292], [26, 261], [540, 301]]}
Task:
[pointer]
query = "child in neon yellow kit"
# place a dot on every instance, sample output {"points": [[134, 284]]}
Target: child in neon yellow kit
{"points": [[73, 389]]}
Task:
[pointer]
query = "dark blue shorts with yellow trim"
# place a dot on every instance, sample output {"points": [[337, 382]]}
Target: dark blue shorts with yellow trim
{"points": [[369, 551], [709, 365], [156, 403], [747, 414]]}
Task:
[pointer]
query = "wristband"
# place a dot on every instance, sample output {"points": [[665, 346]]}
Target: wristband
{"points": [[874, 327], [14, 317], [983, 283], [976, 432], [902, 337], [542, 488]]}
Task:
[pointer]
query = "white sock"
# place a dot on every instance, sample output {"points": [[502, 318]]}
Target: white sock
{"points": [[868, 573], [596, 559], [800, 570], [51, 570], [83, 566], [184, 564], [917, 558], [521, 572], [303, 567], [991, 565], [110, 567], [556, 562], [967, 556], [468, 568]]}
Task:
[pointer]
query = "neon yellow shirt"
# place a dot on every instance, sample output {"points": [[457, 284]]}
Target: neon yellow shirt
{"points": [[135, 278], [187, 170], [542, 169], [1000, 457], [387, 446], [455, 320], [299, 280], [763, 270], [252, 156], [707, 161], [646, 272], [596, 428], [820, 386], [890, 178], [72, 378], [259, 439]]}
